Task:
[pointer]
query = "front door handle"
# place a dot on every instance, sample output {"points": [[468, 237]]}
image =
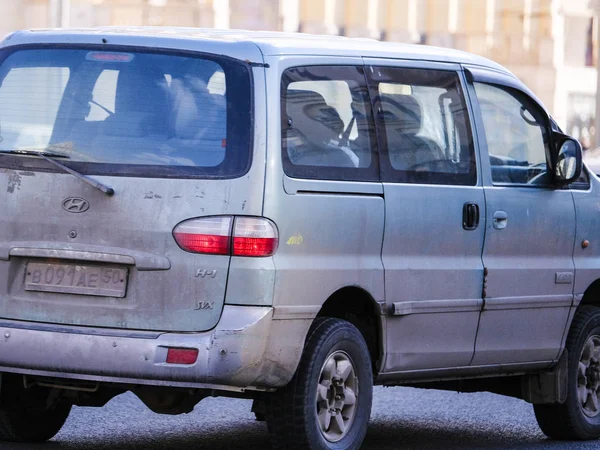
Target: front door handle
{"points": [[470, 216], [500, 220]]}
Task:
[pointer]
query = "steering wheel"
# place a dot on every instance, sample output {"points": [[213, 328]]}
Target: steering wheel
{"points": [[541, 178]]}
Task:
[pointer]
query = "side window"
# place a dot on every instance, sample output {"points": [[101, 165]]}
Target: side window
{"points": [[424, 123], [327, 129], [216, 84], [516, 137]]}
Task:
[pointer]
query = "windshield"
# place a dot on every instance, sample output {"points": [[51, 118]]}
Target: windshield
{"points": [[127, 112]]}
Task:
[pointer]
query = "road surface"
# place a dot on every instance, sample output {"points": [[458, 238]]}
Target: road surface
{"points": [[403, 418]]}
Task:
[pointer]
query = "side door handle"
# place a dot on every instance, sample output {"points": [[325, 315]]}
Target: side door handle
{"points": [[500, 220], [470, 216]]}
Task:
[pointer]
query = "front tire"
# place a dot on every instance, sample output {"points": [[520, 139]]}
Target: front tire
{"points": [[579, 417], [327, 404], [27, 415]]}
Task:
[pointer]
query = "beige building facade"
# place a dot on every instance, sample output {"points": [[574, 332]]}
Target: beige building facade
{"points": [[549, 44]]}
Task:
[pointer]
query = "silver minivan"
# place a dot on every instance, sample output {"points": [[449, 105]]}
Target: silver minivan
{"points": [[290, 219]]}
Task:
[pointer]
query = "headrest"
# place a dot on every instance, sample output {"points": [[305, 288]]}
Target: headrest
{"points": [[312, 116], [196, 70], [402, 113], [198, 114], [141, 91]]}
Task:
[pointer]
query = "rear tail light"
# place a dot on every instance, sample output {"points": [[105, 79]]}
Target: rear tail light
{"points": [[226, 235], [254, 236], [208, 235]]}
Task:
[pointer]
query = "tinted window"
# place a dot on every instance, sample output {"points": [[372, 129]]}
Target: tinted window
{"points": [[516, 137], [424, 126], [29, 102], [126, 112], [103, 96], [327, 129]]}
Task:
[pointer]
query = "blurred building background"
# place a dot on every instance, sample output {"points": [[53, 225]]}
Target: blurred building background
{"points": [[550, 44]]}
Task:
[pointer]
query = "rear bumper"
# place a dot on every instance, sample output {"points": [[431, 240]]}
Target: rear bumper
{"points": [[247, 350]]}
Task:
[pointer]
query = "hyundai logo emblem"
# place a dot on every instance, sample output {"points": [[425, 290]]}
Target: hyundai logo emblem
{"points": [[75, 205]]}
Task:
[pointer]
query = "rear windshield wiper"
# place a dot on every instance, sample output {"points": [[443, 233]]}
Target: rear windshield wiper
{"points": [[48, 156]]}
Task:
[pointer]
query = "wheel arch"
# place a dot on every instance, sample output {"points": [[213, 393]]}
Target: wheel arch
{"points": [[591, 296], [357, 306]]}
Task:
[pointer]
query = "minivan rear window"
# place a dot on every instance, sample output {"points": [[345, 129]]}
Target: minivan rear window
{"points": [[127, 111]]}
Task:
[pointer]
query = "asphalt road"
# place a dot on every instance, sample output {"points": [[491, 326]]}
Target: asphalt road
{"points": [[402, 418]]}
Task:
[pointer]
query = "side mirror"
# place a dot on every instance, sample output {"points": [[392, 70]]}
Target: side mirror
{"points": [[568, 159]]}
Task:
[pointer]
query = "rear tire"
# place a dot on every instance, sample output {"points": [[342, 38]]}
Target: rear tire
{"points": [[327, 404], [579, 417], [26, 415]]}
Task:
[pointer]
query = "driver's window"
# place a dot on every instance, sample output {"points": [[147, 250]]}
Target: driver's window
{"points": [[515, 134]]}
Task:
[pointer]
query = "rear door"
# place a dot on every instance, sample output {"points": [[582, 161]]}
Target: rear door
{"points": [[171, 134], [433, 200], [530, 232]]}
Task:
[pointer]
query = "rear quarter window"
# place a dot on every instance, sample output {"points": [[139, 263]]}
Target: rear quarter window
{"points": [[327, 128]]}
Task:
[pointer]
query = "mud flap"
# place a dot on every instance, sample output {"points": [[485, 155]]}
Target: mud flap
{"points": [[547, 387]]}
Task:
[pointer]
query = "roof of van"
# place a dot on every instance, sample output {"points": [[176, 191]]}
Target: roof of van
{"points": [[269, 42]]}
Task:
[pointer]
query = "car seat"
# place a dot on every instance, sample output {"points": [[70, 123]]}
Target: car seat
{"points": [[403, 121], [312, 132]]}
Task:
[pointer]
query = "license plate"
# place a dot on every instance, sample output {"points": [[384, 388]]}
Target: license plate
{"points": [[76, 279]]}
